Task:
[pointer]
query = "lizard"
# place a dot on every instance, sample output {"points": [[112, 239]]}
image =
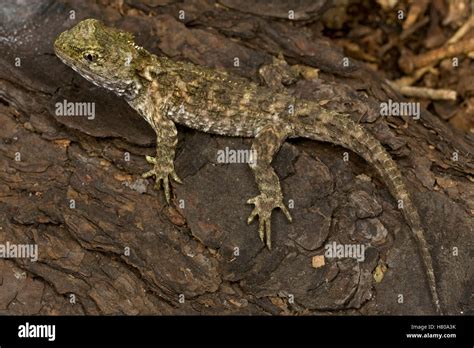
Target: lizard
{"points": [[167, 92]]}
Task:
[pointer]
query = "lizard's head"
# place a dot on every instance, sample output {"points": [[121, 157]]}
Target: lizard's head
{"points": [[105, 56]]}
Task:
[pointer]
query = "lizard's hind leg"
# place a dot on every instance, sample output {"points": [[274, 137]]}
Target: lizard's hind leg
{"points": [[265, 146]]}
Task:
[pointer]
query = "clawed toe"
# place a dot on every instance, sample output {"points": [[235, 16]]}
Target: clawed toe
{"points": [[264, 206], [162, 176]]}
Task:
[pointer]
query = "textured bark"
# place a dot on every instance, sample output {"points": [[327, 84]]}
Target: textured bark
{"points": [[188, 248]]}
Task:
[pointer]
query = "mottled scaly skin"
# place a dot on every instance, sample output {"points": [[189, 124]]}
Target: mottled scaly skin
{"points": [[165, 92]]}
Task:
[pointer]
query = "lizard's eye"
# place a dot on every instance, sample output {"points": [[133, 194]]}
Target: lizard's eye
{"points": [[90, 56]]}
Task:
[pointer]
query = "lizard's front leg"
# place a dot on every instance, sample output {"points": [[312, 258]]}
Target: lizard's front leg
{"points": [[265, 146], [163, 166]]}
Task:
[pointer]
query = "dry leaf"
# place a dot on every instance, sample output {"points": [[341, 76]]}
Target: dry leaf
{"points": [[379, 272], [318, 261]]}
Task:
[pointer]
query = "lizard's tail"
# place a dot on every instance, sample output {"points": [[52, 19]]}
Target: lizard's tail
{"points": [[340, 129]]}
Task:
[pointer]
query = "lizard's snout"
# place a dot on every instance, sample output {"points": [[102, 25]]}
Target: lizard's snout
{"points": [[58, 43]]}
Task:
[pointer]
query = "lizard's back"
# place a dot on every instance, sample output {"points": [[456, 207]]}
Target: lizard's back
{"points": [[217, 102]]}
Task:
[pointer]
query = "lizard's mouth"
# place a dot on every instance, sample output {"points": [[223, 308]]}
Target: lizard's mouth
{"points": [[62, 56]]}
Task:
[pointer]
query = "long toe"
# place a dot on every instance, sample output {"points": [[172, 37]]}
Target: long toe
{"points": [[268, 233], [148, 174]]}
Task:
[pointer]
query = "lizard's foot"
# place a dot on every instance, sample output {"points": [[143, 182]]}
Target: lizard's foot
{"points": [[162, 175], [278, 73], [264, 206]]}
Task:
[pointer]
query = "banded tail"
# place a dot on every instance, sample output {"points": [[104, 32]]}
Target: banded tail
{"points": [[340, 129]]}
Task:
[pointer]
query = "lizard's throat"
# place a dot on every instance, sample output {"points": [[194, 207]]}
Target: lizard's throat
{"points": [[126, 88]]}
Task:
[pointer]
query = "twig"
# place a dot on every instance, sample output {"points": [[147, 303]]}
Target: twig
{"points": [[408, 64], [409, 80], [416, 9], [462, 31], [403, 36], [424, 92]]}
